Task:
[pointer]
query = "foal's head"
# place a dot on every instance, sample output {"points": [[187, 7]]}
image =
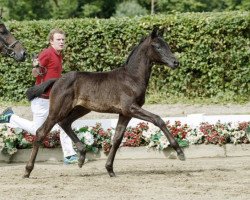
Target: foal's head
{"points": [[160, 51], [9, 46]]}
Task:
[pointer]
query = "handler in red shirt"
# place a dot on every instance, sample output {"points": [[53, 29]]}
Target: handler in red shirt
{"points": [[50, 62]]}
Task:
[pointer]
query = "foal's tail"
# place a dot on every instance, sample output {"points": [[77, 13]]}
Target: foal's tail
{"points": [[38, 90]]}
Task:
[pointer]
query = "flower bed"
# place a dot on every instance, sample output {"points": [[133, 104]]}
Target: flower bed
{"points": [[96, 138]]}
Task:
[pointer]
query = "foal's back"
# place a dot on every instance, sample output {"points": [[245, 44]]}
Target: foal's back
{"points": [[97, 91]]}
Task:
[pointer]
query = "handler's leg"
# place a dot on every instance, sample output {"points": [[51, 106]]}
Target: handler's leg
{"points": [[40, 111], [69, 153]]}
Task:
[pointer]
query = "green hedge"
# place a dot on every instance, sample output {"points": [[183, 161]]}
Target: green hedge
{"points": [[213, 49]]}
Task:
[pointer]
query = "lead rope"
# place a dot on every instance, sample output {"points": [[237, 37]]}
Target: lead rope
{"points": [[41, 70]]}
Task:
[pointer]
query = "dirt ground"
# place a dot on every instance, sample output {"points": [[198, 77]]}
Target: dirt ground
{"points": [[195, 179]]}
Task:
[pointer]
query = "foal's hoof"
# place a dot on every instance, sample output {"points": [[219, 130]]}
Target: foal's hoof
{"points": [[110, 172], [26, 176], [81, 161], [181, 156]]}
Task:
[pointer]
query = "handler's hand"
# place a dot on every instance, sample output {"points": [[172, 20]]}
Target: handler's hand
{"points": [[35, 62], [35, 72]]}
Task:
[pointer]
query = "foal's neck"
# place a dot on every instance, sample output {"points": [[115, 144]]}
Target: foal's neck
{"points": [[139, 63]]}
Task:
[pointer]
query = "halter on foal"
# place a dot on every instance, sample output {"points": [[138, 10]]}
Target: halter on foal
{"points": [[9, 46], [120, 91]]}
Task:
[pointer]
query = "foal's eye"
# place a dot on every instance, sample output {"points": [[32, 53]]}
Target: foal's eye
{"points": [[157, 46]]}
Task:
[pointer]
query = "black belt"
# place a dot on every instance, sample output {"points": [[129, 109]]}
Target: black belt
{"points": [[44, 96]]}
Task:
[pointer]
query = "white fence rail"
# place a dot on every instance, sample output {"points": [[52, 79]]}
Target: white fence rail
{"points": [[192, 120]]}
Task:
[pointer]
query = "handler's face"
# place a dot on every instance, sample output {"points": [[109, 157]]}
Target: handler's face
{"points": [[58, 42]]}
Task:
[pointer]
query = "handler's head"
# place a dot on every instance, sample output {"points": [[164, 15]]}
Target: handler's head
{"points": [[57, 39]]}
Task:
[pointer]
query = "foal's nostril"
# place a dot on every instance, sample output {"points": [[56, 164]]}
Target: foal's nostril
{"points": [[24, 54]]}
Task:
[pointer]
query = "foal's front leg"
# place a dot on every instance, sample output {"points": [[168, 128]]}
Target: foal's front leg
{"points": [[119, 132], [140, 113]]}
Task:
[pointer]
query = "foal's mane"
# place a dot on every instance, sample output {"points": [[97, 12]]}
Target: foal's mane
{"points": [[135, 48]]}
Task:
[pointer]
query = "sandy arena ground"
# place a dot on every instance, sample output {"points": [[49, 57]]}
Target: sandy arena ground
{"points": [[195, 179]]}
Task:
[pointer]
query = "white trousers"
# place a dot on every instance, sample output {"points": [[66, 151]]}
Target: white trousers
{"points": [[40, 110]]}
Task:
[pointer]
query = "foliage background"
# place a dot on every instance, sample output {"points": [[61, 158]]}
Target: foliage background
{"points": [[213, 49], [64, 9]]}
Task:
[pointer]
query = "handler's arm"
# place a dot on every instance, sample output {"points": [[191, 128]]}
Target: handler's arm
{"points": [[35, 69]]}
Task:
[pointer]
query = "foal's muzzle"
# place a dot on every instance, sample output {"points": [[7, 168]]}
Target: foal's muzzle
{"points": [[21, 56]]}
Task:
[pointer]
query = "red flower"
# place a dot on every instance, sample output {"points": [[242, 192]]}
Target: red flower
{"points": [[244, 125], [46, 143], [28, 137]]}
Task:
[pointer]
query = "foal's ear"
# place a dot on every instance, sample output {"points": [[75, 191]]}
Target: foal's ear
{"points": [[161, 32], [154, 33]]}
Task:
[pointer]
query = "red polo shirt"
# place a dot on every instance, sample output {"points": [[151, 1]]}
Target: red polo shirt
{"points": [[52, 61]]}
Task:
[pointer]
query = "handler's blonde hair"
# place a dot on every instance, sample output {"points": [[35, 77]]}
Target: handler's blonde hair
{"points": [[53, 31]]}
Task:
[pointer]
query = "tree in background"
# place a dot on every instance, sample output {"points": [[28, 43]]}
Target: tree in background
{"points": [[63, 9], [130, 9], [98, 8], [167, 6], [245, 5], [26, 9]]}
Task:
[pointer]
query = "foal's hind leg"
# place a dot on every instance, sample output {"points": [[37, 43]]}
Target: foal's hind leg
{"points": [[119, 132], [30, 164], [66, 123], [138, 112], [40, 135]]}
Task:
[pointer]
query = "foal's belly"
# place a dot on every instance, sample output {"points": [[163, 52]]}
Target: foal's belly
{"points": [[99, 106]]}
